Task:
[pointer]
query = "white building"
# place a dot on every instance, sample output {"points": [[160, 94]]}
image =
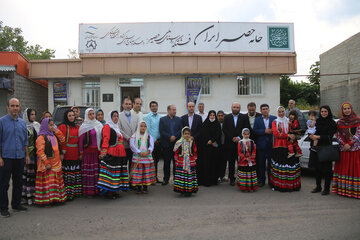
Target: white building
{"points": [[234, 62]]}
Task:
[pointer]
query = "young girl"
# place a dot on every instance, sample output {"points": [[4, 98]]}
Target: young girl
{"points": [[312, 128], [49, 186], [246, 175], [185, 181], [294, 128], [142, 167]]}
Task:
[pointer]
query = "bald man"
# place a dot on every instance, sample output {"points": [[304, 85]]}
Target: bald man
{"points": [[301, 117], [13, 155], [233, 125]]}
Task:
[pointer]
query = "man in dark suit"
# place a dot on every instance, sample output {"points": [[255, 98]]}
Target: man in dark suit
{"points": [[251, 115], [170, 131], [193, 121], [264, 142], [233, 125]]}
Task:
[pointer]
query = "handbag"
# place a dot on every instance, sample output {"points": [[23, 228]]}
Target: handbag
{"points": [[329, 153]]}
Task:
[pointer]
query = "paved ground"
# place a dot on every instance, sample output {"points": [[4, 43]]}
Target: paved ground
{"points": [[218, 212]]}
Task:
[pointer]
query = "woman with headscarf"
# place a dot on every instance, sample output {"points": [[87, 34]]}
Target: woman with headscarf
{"points": [[45, 114], [142, 166], [89, 147], [29, 174], [113, 175], [99, 114], [285, 172], [185, 180], [49, 180], [325, 130], [210, 139], [346, 180], [71, 164]]}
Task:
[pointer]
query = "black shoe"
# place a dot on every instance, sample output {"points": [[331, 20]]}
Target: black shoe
{"points": [[316, 190], [20, 208], [164, 183], [261, 184], [325, 192], [232, 183], [5, 214]]}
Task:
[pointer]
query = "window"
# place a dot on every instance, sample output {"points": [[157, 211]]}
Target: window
{"points": [[205, 86], [250, 85], [92, 94]]}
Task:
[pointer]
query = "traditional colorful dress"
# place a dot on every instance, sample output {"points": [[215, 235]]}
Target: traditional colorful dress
{"points": [[113, 174], [89, 147], [246, 178], [293, 147], [29, 174], [285, 172], [346, 178], [142, 168], [185, 180], [71, 164], [49, 183]]}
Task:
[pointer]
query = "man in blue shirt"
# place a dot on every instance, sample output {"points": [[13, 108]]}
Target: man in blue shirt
{"points": [[13, 154], [152, 122]]}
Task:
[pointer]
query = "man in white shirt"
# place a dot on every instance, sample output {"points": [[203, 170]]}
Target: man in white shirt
{"points": [[137, 108], [201, 112]]}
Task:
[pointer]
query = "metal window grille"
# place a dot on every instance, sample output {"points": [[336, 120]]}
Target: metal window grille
{"points": [[250, 85], [205, 86], [92, 94]]}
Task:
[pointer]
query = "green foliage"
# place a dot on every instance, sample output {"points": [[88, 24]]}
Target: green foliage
{"points": [[306, 95], [12, 40], [302, 92]]}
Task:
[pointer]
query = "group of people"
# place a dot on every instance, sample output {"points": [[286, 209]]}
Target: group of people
{"points": [[86, 157]]}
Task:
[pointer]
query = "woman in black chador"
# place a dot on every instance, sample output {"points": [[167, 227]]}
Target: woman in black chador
{"points": [[210, 140]]}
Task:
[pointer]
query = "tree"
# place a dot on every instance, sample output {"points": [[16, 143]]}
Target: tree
{"points": [[73, 54], [12, 40], [314, 76]]}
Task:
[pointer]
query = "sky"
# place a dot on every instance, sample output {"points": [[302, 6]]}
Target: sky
{"points": [[318, 25]]}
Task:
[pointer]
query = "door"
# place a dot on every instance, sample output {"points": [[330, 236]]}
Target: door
{"points": [[129, 92]]}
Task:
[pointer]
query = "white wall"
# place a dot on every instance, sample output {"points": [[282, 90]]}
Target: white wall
{"points": [[168, 90]]}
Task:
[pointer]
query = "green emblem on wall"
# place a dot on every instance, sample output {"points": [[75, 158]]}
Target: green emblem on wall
{"points": [[278, 37]]}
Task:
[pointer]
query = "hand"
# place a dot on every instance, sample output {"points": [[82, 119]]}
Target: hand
{"points": [[268, 131], [347, 147], [27, 160], [172, 138], [48, 166], [209, 142], [1, 162], [214, 144], [102, 155], [292, 137], [235, 139]]}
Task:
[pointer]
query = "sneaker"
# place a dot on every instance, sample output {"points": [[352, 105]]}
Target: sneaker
{"points": [[5, 214], [20, 209]]}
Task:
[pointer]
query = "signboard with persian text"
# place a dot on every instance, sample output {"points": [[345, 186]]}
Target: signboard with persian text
{"points": [[168, 37]]}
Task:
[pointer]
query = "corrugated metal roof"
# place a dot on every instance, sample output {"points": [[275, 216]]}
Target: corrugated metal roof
{"points": [[5, 68]]}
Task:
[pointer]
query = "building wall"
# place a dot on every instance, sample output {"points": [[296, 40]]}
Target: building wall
{"points": [[336, 86], [168, 90], [30, 94]]}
